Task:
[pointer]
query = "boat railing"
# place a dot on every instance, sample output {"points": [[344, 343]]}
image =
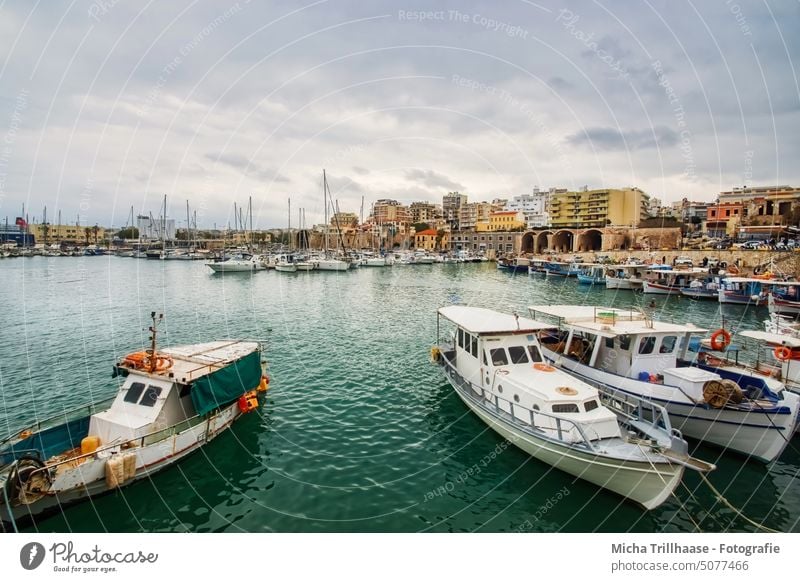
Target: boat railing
{"points": [[56, 420], [563, 426], [636, 410], [131, 444]]}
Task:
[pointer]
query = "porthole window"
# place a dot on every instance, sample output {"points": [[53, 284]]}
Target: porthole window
{"points": [[536, 407], [500, 389], [516, 397]]}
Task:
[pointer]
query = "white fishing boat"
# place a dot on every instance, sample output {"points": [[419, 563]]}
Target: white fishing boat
{"points": [[237, 264], [285, 264], [670, 282], [629, 276], [784, 298], [171, 402], [628, 351], [743, 291], [622, 443], [330, 263]]}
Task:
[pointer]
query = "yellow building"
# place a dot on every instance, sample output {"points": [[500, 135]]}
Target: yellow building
{"points": [[69, 233], [427, 240], [504, 220], [598, 208]]}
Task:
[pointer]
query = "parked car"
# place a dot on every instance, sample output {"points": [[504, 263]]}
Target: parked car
{"points": [[683, 261], [752, 245]]}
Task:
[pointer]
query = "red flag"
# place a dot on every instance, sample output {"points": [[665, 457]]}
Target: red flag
{"points": [[21, 222]]}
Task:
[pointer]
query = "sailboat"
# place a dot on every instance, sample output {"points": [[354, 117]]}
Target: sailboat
{"points": [[302, 261], [328, 262], [285, 262]]}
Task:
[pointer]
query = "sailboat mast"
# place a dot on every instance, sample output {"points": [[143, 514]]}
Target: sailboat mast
{"points": [[290, 224], [325, 206]]}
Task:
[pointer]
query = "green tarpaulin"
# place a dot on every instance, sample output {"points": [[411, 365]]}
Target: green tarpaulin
{"points": [[226, 385]]}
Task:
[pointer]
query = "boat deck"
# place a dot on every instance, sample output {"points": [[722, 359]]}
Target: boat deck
{"points": [[194, 361]]}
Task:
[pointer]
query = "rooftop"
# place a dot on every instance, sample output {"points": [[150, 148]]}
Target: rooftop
{"points": [[487, 321]]}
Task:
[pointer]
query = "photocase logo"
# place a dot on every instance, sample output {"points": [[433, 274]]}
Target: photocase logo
{"points": [[31, 555]]}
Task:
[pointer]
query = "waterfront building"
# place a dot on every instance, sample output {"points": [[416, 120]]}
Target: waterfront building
{"points": [[344, 220], [424, 212], [67, 233], [506, 220], [723, 218], [489, 243], [473, 214], [451, 208], [598, 208], [533, 206], [764, 204], [431, 240], [390, 213]]}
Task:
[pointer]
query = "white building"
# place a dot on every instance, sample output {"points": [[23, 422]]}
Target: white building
{"points": [[155, 228], [533, 206]]}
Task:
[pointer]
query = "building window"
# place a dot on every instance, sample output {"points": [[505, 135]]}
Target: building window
{"points": [[713, 213]]}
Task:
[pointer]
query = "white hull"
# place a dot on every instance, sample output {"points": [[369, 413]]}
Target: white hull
{"points": [[303, 266], [374, 262], [286, 268], [617, 283], [783, 306], [759, 434], [332, 265], [87, 479], [647, 483], [658, 289], [233, 266]]}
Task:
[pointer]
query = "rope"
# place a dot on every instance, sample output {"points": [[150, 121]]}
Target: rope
{"points": [[10, 513], [689, 515], [735, 510], [646, 456]]}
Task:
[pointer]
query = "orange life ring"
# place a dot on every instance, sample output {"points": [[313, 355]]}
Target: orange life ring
{"points": [[722, 335], [135, 359], [543, 367], [162, 363], [782, 353]]}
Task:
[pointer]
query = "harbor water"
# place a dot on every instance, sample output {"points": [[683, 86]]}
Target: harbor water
{"points": [[359, 432]]}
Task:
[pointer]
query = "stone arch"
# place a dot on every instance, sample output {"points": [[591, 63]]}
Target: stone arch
{"points": [[563, 241], [542, 242], [590, 240], [528, 244]]}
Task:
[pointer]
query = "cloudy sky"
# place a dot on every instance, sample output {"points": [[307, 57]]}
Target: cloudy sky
{"points": [[110, 104]]}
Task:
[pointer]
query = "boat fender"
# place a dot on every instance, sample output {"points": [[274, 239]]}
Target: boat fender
{"points": [[435, 354], [263, 386], [782, 353], [720, 339], [248, 402]]}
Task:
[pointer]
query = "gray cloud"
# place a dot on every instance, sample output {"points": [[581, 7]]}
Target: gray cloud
{"points": [[608, 138], [433, 179]]}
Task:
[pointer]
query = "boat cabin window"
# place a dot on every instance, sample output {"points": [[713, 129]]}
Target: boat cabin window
{"points": [[591, 405], [610, 343], [625, 342], [668, 344], [150, 396], [485, 361], [518, 355], [461, 338], [647, 344], [474, 347], [134, 392], [536, 355], [565, 408], [499, 357]]}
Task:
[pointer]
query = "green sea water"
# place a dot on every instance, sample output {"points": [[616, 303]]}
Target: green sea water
{"points": [[359, 431]]}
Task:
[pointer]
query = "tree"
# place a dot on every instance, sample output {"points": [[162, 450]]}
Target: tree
{"points": [[129, 232]]}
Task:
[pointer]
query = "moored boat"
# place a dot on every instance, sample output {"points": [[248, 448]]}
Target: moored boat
{"points": [[628, 351], [615, 441], [171, 402]]}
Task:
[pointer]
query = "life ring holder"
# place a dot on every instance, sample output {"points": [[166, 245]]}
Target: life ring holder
{"points": [[782, 353], [724, 336]]}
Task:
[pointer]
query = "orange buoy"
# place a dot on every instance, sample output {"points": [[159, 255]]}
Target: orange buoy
{"points": [[720, 340], [782, 353]]}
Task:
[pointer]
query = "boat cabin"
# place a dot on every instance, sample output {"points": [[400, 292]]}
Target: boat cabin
{"points": [[499, 357]]}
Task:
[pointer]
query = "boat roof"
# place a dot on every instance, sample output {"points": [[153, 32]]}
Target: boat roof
{"points": [[772, 338], [194, 361], [479, 320], [691, 271], [746, 280], [611, 321]]}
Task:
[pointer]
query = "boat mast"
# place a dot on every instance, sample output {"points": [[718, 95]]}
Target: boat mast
{"points": [[152, 328], [325, 206], [290, 224]]}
